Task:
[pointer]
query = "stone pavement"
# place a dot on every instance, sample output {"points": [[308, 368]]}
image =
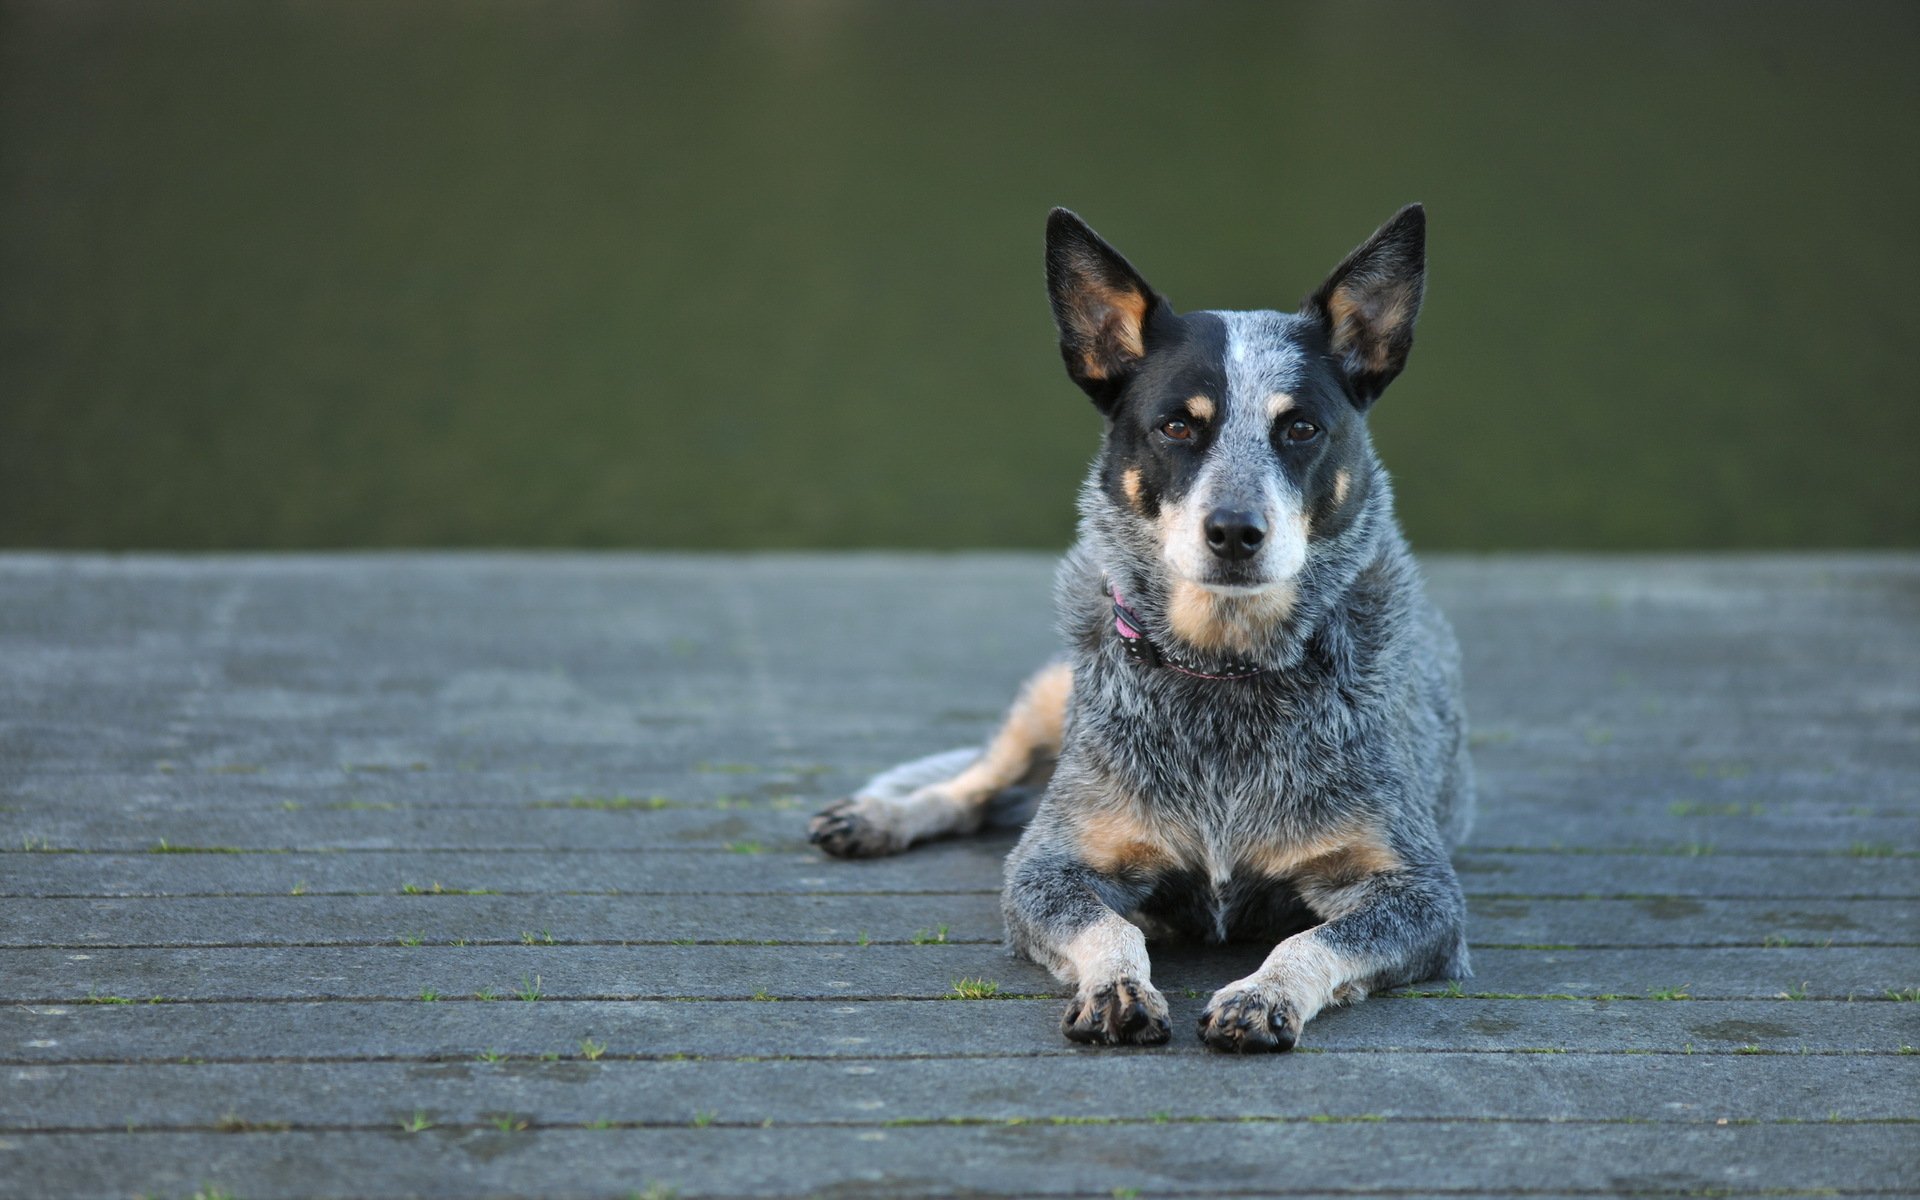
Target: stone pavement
{"points": [[423, 874]]}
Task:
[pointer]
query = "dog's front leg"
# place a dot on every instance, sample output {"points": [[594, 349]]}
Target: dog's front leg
{"points": [[1382, 930], [1055, 916]]}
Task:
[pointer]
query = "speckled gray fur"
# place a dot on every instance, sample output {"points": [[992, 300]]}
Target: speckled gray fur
{"points": [[1358, 718], [1311, 802]]}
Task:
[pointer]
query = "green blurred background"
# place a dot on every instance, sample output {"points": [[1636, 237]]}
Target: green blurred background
{"points": [[768, 275]]}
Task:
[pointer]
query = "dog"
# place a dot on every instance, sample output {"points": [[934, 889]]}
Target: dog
{"points": [[1258, 731]]}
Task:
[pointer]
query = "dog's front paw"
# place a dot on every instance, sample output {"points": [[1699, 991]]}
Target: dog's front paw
{"points": [[1249, 1020], [1116, 1013], [847, 829]]}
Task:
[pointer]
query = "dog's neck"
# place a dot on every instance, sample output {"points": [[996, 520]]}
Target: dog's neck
{"points": [[1130, 628]]}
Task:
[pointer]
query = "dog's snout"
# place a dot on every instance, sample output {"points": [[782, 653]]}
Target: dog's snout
{"points": [[1234, 533]]}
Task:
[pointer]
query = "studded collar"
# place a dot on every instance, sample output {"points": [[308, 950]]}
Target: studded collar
{"points": [[1141, 648]]}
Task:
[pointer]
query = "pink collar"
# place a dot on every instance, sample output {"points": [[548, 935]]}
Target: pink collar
{"points": [[1141, 649]]}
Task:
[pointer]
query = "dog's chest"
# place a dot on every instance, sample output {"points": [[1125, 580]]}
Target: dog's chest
{"points": [[1235, 792], [1216, 762], [1220, 855]]}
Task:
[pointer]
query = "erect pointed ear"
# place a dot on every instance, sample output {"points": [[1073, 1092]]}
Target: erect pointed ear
{"points": [[1100, 303], [1371, 300]]}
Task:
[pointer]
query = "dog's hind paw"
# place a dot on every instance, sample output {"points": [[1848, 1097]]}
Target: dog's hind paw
{"points": [[843, 830], [1117, 1013], [1249, 1021]]}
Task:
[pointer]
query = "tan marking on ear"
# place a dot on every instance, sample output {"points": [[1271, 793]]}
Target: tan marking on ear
{"points": [[1112, 840], [1031, 731], [1130, 483], [1111, 323], [1342, 310], [1342, 480], [1209, 621], [1390, 317], [1368, 322], [1129, 322], [1278, 403], [1201, 406]]}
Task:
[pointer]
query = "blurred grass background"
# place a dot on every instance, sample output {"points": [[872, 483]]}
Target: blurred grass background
{"points": [[768, 275]]}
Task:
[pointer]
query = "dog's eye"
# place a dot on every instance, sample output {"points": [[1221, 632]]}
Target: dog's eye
{"points": [[1177, 430], [1302, 431]]}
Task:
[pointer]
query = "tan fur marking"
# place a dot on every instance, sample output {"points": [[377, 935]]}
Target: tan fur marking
{"points": [[1201, 407], [1131, 310], [1342, 309], [1328, 869], [1370, 324], [1022, 747], [1210, 621], [1130, 483], [1111, 323], [1342, 480], [1032, 729], [1388, 319], [1112, 841], [1278, 403], [1339, 857]]}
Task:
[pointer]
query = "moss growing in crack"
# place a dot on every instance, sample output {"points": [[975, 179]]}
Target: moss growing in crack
{"points": [[610, 803]]}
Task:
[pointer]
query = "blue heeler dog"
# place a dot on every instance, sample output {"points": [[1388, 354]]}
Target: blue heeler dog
{"points": [[1258, 732]]}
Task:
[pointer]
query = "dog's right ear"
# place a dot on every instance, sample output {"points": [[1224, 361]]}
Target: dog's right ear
{"points": [[1100, 303]]}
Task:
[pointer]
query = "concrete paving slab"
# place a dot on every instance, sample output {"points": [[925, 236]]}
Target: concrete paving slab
{"points": [[1028, 1159], [690, 768], [843, 919], [399, 971], [1009, 1029], [1539, 824], [1699, 773], [966, 865], [379, 1095]]}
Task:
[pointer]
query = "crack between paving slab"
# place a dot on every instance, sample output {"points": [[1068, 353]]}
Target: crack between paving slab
{"points": [[1043, 1122], [802, 848], [891, 998], [472, 943], [613, 893], [1194, 1051]]}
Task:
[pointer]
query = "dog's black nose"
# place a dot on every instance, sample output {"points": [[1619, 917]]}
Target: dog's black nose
{"points": [[1234, 533]]}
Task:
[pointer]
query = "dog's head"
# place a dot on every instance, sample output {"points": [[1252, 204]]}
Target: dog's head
{"points": [[1235, 441]]}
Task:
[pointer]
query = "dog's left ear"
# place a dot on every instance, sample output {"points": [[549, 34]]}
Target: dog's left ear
{"points": [[1370, 302]]}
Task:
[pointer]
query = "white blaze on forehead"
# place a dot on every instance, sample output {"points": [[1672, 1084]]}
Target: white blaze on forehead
{"points": [[1262, 356], [1261, 361]]}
